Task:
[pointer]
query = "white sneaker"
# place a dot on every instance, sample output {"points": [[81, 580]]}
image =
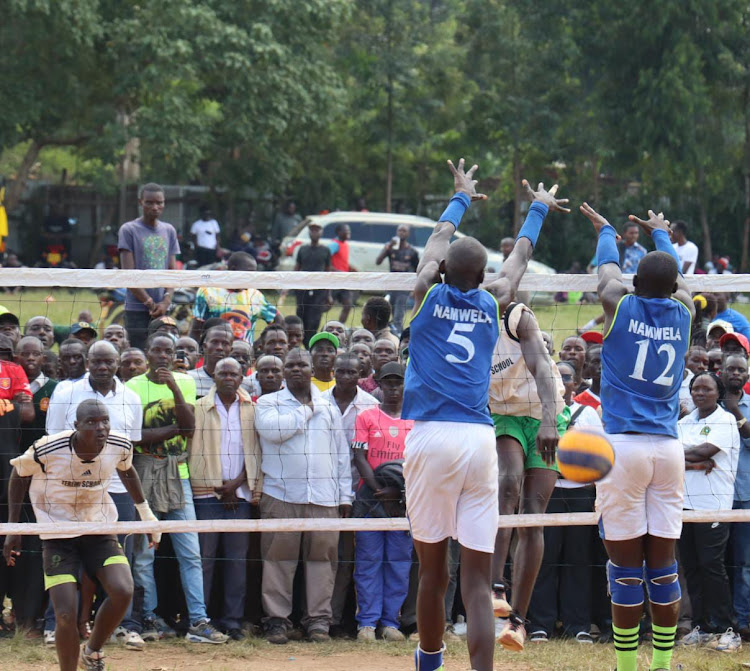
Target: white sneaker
{"points": [[49, 638], [729, 641], [131, 640]]}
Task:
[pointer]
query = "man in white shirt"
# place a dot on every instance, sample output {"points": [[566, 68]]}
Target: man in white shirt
{"points": [[205, 232], [687, 251], [126, 418], [307, 474], [349, 400]]}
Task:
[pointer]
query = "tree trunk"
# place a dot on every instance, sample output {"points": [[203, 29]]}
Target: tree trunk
{"points": [[746, 229], [517, 191], [703, 213], [17, 186]]}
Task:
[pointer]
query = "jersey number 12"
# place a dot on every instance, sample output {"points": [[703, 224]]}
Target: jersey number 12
{"points": [[664, 379]]}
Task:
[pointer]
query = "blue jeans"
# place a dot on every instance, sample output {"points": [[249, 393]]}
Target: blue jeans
{"points": [[235, 547], [381, 576], [188, 551], [741, 542], [125, 513]]}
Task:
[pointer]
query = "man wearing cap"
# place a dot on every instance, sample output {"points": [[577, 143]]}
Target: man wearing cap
{"points": [[164, 325], [383, 558], [84, 332], [146, 243], [592, 370], [306, 470], [716, 329], [323, 347], [9, 325], [313, 257]]}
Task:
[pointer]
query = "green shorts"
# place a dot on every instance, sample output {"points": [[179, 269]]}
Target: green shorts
{"points": [[63, 558], [524, 430]]}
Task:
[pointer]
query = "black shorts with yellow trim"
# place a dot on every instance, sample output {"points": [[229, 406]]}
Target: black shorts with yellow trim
{"points": [[64, 558]]}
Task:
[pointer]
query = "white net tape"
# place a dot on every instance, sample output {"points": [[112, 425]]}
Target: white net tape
{"points": [[332, 524], [87, 278], [381, 282]]}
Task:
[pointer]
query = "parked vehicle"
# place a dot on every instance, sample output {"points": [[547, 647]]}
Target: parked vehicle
{"points": [[371, 230]]}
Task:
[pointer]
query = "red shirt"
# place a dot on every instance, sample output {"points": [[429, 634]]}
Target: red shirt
{"points": [[340, 258], [589, 398], [381, 436], [13, 380]]}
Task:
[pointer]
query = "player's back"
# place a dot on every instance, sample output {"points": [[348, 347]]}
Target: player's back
{"points": [[643, 361], [450, 352]]}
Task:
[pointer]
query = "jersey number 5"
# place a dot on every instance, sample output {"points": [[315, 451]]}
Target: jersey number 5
{"points": [[664, 379], [462, 341]]}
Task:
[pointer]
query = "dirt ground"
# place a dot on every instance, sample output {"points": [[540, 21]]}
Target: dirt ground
{"points": [[257, 655]]}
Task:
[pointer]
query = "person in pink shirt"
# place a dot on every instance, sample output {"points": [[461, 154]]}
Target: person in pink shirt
{"points": [[382, 558]]}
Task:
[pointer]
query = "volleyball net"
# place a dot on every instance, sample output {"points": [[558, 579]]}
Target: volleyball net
{"points": [[61, 294]]}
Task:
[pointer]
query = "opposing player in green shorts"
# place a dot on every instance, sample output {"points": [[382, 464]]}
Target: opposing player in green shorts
{"points": [[529, 413]]}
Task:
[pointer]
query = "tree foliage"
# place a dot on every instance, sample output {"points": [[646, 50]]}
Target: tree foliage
{"points": [[628, 105]]}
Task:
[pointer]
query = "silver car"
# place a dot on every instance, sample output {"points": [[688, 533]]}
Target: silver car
{"points": [[370, 231]]}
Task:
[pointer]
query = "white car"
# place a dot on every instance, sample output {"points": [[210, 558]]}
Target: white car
{"points": [[370, 231]]}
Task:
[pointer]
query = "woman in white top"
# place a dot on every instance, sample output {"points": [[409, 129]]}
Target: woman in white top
{"points": [[565, 574], [712, 443]]}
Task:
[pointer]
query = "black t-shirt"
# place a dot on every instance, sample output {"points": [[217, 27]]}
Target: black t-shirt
{"points": [[314, 258], [403, 260]]}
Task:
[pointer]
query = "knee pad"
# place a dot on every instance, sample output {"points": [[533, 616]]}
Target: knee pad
{"points": [[625, 584], [668, 590]]}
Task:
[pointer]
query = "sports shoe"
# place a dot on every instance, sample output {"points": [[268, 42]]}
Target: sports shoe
{"points": [[49, 638], [500, 605], [392, 635], [585, 638], [729, 641], [130, 639], [92, 662], [513, 635], [538, 636], [236, 634], [318, 635], [204, 632], [276, 634], [695, 639], [155, 628], [366, 634]]}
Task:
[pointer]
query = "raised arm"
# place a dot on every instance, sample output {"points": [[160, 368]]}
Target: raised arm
{"points": [[611, 288], [514, 267], [539, 364], [658, 228], [436, 249]]}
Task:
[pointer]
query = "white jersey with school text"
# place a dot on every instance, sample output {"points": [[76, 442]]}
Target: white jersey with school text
{"points": [[65, 488], [513, 389]]}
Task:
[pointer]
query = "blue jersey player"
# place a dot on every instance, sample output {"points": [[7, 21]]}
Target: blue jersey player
{"points": [[451, 463], [646, 337]]}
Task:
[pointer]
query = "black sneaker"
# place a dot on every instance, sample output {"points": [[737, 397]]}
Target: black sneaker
{"points": [[236, 634]]}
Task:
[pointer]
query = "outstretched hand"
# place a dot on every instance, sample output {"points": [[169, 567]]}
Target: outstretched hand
{"points": [[463, 182], [655, 222], [546, 197]]}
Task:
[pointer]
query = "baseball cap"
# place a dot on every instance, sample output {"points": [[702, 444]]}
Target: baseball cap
{"points": [[324, 335], [156, 324], [738, 337], [392, 369], [80, 326], [592, 337], [7, 317], [720, 324]]}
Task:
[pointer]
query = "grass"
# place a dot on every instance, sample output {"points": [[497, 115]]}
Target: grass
{"points": [[556, 655]]}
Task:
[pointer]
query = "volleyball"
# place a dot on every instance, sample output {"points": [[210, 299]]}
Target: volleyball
{"points": [[584, 456]]}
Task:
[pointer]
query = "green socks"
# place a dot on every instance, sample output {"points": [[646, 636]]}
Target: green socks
{"points": [[626, 647], [663, 646]]}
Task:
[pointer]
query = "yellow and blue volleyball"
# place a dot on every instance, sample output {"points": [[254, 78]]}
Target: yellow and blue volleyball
{"points": [[584, 456]]}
